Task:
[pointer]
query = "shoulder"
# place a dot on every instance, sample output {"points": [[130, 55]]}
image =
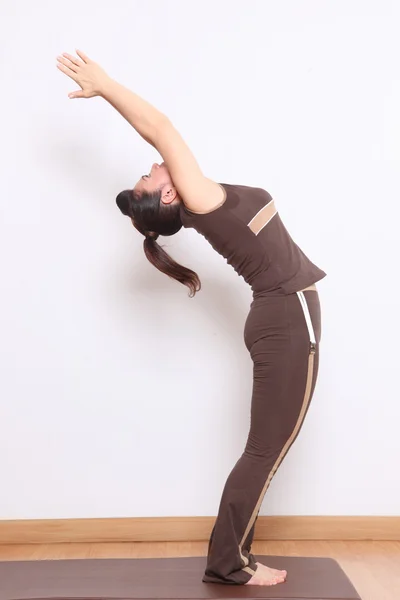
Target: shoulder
{"points": [[229, 195], [209, 196]]}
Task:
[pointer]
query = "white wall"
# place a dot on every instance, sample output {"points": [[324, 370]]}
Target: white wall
{"points": [[120, 396]]}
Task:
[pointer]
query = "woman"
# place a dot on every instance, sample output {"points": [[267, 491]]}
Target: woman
{"points": [[282, 330]]}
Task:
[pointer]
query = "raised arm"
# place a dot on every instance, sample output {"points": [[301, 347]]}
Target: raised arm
{"points": [[199, 193]]}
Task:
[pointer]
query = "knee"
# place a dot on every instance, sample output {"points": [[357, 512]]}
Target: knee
{"points": [[270, 436], [265, 448]]}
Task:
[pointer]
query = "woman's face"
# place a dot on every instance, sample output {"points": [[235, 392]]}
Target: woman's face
{"points": [[157, 178]]}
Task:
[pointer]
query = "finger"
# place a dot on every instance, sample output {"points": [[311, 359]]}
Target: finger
{"points": [[76, 95], [83, 56], [67, 63], [67, 71], [73, 59]]}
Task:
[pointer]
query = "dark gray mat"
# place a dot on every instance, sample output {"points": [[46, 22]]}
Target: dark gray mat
{"points": [[308, 578]]}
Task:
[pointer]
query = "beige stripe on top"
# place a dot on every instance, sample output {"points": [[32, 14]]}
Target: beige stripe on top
{"points": [[263, 217]]}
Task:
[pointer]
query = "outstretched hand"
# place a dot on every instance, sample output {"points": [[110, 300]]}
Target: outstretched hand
{"points": [[85, 72]]}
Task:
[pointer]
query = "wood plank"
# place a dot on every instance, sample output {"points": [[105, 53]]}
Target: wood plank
{"points": [[160, 529]]}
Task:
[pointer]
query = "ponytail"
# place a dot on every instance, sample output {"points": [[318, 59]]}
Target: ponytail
{"points": [[164, 263]]}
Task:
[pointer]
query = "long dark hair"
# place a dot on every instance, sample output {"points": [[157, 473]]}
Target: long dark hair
{"points": [[152, 218]]}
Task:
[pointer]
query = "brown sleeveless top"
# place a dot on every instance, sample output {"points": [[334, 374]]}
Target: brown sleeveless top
{"points": [[247, 231]]}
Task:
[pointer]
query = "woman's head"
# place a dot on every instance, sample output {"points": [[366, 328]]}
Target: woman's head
{"points": [[154, 204], [154, 209]]}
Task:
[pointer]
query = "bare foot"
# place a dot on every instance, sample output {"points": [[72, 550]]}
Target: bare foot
{"points": [[267, 576]]}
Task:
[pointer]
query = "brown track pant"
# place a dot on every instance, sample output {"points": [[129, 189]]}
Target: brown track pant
{"points": [[282, 334]]}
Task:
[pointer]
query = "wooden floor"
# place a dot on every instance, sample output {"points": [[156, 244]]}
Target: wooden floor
{"points": [[373, 567]]}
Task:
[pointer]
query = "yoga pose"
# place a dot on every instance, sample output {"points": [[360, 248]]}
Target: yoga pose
{"points": [[283, 328]]}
